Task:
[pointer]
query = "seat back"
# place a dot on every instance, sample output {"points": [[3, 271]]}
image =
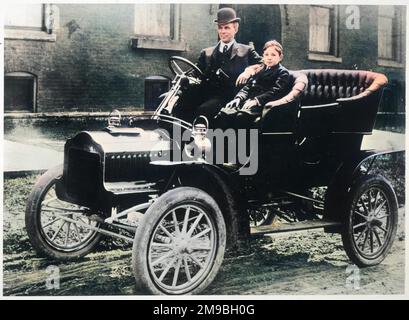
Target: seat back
{"points": [[326, 121], [327, 85], [340, 101]]}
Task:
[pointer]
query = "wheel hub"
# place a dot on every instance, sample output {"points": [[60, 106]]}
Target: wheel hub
{"points": [[375, 223], [372, 221], [182, 246]]}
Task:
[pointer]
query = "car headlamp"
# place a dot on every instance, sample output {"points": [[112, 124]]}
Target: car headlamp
{"points": [[114, 119]]}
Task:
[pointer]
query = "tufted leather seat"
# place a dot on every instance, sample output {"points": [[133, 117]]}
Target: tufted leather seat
{"points": [[340, 101], [322, 101], [324, 116], [329, 85], [326, 101]]}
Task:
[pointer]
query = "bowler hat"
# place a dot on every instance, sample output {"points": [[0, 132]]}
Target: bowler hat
{"points": [[226, 15]]}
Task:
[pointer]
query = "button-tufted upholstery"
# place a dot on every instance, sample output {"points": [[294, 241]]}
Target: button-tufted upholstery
{"points": [[324, 116], [327, 85], [322, 101], [340, 101]]}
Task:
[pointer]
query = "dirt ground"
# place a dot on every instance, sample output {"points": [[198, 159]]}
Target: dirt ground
{"points": [[307, 263]]}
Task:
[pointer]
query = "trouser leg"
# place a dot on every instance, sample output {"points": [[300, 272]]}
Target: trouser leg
{"points": [[245, 120], [210, 108]]}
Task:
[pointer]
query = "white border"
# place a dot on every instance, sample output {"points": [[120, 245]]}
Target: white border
{"points": [[404, 296]]}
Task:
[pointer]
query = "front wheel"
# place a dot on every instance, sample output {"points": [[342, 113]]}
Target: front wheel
{"points": [[180, 243], [58, 229], [371, 222]]}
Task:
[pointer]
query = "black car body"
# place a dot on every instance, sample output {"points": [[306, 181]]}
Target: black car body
{"points": [[309, 139]]}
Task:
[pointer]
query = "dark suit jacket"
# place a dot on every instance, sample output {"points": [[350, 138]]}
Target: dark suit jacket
{"points": [[266, 85], [241, 57]]}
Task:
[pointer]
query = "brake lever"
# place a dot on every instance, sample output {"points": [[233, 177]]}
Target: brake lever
{"points": [[221, 72]]}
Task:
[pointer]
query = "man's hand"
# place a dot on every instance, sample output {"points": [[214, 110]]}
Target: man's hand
{"points": [[249, 104], [243, 77], [233, 104], [247, 73]]}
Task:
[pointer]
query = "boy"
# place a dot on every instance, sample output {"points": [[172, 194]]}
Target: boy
{"points": [[268, 84]]}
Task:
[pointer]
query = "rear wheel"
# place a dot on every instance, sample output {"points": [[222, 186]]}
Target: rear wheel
{"points": [[370, 227], [180, 243], [261, 216], [58, 229]]}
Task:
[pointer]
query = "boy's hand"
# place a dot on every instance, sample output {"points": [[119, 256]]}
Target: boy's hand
{"points": [[249, 104], [233, 104]]}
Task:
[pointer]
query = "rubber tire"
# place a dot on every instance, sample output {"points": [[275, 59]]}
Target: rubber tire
{"points": [[154, 214], [40, 245], [363, 184]]}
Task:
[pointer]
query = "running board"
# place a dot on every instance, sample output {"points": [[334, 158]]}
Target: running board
{"points": [[293, 226]]}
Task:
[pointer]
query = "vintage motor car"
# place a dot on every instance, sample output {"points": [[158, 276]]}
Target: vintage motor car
{"points": [[138, 181]]}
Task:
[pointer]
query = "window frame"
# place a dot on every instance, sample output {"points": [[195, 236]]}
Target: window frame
{"points": [[41, 28], [172, 42], [397, 38], [333, 54], [24, 75], [43, 33]]}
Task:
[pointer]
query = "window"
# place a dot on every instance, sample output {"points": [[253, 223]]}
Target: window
{"points": [[323, 33], [390, 20], [30, 21], [28, 16], [157, 27], [20, 90], [154, 20]]}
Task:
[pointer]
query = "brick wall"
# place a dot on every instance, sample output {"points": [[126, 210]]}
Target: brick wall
{"points": [[91, 65], [358, 48]]}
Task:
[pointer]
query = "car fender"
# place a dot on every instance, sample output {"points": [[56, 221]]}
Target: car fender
{"points": [[221, 185]]}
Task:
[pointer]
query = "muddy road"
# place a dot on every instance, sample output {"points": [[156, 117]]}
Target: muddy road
{"points": [[308, 263]]}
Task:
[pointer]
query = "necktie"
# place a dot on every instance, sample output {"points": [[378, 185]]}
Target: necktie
{"points": [[225, 48]]}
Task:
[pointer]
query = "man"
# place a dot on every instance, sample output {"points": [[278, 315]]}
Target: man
{"points": [[222, 64]]}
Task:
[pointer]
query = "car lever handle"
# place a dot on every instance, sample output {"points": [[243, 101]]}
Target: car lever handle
{"points": [[221, 72]]}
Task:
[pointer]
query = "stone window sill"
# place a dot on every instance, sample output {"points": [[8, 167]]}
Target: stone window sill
{"points": [[324, 57], [141, 42], [33, 35], [389, 63]]}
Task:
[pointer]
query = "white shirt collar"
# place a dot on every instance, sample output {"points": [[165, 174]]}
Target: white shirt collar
{"points": [[222, 44]]}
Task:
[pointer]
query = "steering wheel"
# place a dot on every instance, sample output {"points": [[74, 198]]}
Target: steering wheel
{"points": [[176, 63]]}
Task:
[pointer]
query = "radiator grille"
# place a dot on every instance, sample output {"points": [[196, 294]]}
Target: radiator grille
{"points": [[126, 166], [83, 174]]}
